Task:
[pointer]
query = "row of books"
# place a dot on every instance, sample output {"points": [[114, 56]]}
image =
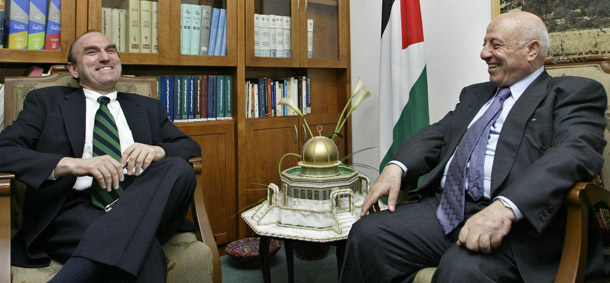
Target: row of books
{"points": [[263, 95], [190, 98], [30, 24], [203, 30], [272, 36], [132, 25]]}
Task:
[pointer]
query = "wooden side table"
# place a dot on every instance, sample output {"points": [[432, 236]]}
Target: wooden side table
{"points": [[264, 257]]}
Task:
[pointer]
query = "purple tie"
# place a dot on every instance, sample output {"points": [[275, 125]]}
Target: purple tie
{"points": [[450, 212]]}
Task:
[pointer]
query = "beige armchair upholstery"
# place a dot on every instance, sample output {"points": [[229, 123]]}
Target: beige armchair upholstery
{"points": [[191, 257], [583, 195]]}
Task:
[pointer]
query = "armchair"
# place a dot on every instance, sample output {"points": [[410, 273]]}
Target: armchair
{"points": [[191, 257], [583, 196]]}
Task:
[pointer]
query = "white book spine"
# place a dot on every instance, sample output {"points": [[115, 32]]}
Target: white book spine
{"points": [[146, 26], [310, 38], [107, 22], [133, 26], [122, 22], [256, 114], [257, 35], [206, 17], [279, 35], [155, 27], [185, 31], [287, 37], [195, 29], [265, 36], [272, 36], [115, 27]]}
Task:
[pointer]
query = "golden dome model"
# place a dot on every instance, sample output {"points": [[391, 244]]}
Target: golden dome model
{"points": [[320, 157]]}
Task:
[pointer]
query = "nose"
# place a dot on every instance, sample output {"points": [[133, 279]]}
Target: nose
{"points": [[103, 55], [485, 52]]}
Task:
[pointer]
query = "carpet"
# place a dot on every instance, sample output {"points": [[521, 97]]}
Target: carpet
{"points": [[305, 271]]}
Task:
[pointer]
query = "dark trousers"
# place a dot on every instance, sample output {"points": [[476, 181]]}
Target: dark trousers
{"points": [[393, 247], [128, 237]]}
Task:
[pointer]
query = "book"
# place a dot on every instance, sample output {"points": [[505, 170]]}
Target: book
{"points": [[176, 97], [265, 36], [185, 31], [118, 31], [53, 32], [18, 19], [223, 46], [107, 22], [191, 97], [310, 38], [213, 31], [220, 97], [195, 29], [285, 94], [211, 97], [206, 18], [308, 93], [167, 97], [185, 100], [222, 18], [228, 97], [268, 96], [272, 37], [257, 35], [146, 26], [279, 36], [204, 97], [277, 92], [155, 27], [2, 20], [133, 26], [37, 24], [197, 98], [287, 37]]}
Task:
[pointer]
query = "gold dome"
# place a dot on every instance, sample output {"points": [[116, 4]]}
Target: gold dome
{"points": [[320, 151]]}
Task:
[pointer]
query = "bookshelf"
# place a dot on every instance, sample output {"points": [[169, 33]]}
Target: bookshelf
{"points": [[242, 151]]}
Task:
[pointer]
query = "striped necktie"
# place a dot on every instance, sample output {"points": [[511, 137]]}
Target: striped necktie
{"points": [[450, 212], [105, 142]]}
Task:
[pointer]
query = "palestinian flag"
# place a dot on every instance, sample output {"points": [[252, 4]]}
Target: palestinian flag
{"points": [[403, 92]]}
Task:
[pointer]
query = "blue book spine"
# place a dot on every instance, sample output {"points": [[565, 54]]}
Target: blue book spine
{"points": [[285, 95], [177, 100], [212, 97], [167, 88], [53, 33], [273, 110], [261, 97], [184, 98], [223, 49], [191, 90], [2, 18], [37, 24], [222, 19], [213, 31]]}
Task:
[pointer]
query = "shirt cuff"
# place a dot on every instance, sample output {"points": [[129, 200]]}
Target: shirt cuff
{"points": [[512, 206], [52, 176], [402, 166]]}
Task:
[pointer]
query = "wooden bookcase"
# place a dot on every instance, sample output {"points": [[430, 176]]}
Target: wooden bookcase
{"points": [[240, 152]]}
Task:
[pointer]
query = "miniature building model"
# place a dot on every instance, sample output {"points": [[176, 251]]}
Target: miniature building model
{"points": [[318, 200]]}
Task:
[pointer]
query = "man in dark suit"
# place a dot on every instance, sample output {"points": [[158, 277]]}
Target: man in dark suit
{"points": [[51, 150], [498, 216]]}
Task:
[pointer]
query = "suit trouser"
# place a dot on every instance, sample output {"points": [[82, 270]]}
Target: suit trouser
{"points": [[392, 247], [130, 235]]}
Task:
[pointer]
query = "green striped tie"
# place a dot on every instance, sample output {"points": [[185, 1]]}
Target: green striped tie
{"points": [[105, 142]]}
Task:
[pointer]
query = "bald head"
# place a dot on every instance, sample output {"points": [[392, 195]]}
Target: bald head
{"points": [[515, 45]]}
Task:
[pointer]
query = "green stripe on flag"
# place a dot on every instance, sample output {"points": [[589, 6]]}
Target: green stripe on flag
{"points": [[414, 116]]}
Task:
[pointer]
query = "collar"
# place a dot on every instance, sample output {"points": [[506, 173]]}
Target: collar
{"points": [[521, 85], [93, 95]]}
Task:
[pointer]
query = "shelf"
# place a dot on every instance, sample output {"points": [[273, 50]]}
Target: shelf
{"points": [[324, 2]]}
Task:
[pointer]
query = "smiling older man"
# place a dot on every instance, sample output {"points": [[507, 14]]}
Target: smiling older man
{"points": [[106, 172], [491, 207]]}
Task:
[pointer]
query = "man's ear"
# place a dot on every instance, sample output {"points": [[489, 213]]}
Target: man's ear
{"points": [[533, 50], [73, 70]]}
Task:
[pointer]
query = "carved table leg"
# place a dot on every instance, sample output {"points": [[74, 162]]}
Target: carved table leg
{"points": [[289, 259], [263, 250]]}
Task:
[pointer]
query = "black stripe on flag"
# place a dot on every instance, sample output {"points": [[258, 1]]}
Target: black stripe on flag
{"points": [[386, 11]]}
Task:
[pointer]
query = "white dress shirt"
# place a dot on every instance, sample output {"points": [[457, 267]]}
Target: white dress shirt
{"points": [[125, 136], [516, 90]]}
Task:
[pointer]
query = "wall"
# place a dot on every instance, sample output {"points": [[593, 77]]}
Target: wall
{"points": [[453, 36]]}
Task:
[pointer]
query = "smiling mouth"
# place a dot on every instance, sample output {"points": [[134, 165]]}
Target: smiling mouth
{"points": [[491, 66], [105, 68]]}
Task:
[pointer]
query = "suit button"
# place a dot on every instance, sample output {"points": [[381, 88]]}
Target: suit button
{"points": [[443, 143], [542, 216], [542, 147]]}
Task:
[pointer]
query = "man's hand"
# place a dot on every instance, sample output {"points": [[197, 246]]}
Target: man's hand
{"points": [[485, 230], [106, 171], [387, 184], [139, 156]]}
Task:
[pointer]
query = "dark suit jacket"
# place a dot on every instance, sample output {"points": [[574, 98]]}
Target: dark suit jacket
{"points": [[52, 126], [552, 138]]}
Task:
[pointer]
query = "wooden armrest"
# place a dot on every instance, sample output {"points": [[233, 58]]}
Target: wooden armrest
{"points": [[5, 226], [202, 222], [573, 262]]}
